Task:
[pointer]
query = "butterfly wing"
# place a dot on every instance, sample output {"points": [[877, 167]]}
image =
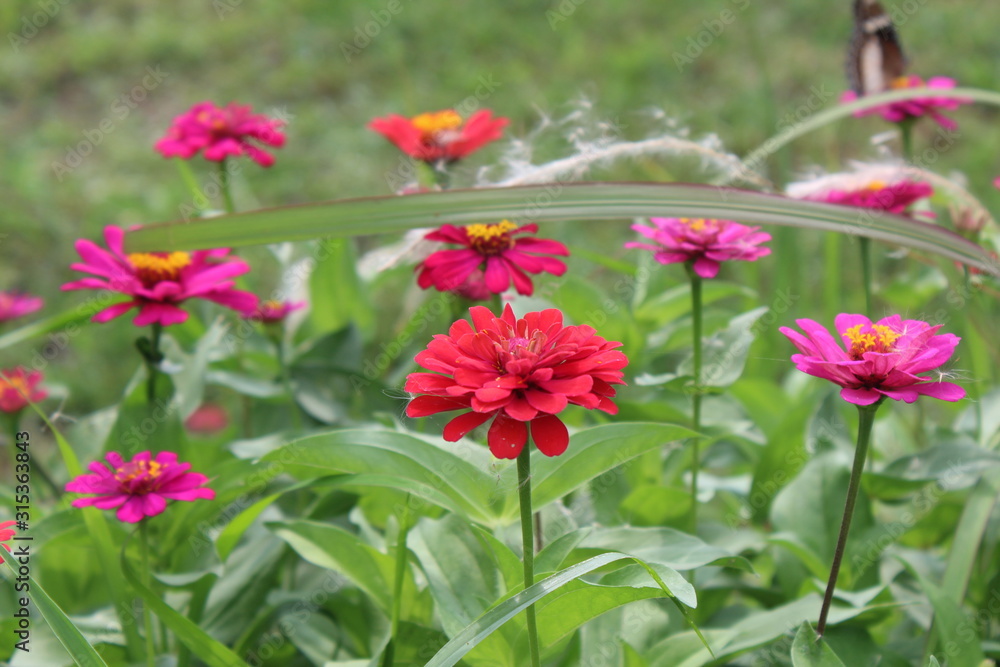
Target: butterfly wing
{"points": [[875, 57]]}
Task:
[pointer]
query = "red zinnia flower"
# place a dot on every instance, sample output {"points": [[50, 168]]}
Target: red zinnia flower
{"points": [[221, 132], [159, 281], [896, 112], [16, 304], [516, 372], [701, 241], [140, 487], [881, 359], [6, 533], [18, 388], [440, 135], [491, 258]]}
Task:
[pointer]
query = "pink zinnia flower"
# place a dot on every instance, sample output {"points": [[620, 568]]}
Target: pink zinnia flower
{"points": [[159, 281], [222, 132], [516, 372], [18, 388], [703, 242], [207, 418], [896, 112], [6, 533], [894, 197], [881, 359], [272, 311], [140, 487], [493, 256], [16, 304], [440, 135]]}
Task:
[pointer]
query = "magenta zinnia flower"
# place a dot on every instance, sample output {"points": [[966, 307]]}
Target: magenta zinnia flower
{"points": [[140, 487], [272, 311], [894, 197], [493, 256], [6, 533], [896, 112], [18, 388], [703, 242], [886, 358], [440, 135], [222, 132], [17, 304], [159, 281], [516, 372]]}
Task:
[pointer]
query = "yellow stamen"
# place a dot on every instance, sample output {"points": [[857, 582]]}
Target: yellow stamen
{"points": [[876, 185], [491, 239], [903, 82], [434, 122], [133, 469], [878, 339], [154, 267], [696, 224]]}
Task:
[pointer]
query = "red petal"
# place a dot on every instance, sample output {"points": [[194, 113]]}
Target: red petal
{"points": [[507, 437], [545, 402], [421, 406], [550, 435], [462, 424]]}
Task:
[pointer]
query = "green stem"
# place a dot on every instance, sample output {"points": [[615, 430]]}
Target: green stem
{"points": [[696, 309], [865, 248], [866, 419], [227, 194], [147, 618], [397, 584], [286, 373], [906, 132], [528, 544], [153, 362]]}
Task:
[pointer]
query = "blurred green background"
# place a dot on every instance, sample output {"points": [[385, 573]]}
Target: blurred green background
{"points": [[72, 75]]}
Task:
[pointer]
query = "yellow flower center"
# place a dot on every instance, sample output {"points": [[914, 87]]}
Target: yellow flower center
{"points": [[270, 304], [902, 83], [879, 338], [433, 123], [491, 239], [132, 469], [875, 186], [155, 267], [15, 382], [696, 224]]}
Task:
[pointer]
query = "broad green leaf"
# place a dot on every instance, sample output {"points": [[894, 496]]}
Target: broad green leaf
{"points": [[476, 632], [664, 546], [68, 320], [67, 633], [724, 354], [432, 471], [344, 299], [576, 201], [655, 505], [208, 650], [552, 556], [808, 650], [675, 302]]}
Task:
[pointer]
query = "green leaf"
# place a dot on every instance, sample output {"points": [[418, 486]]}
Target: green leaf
{"points": [[69, 636], [208, 650], [665, 546], [808, 650], [344, 300], [66, 320], [576, 201], [476, 632], [675, 302]]}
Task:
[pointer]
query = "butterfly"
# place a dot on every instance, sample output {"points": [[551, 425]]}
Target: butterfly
{"points": [[876, 56]]}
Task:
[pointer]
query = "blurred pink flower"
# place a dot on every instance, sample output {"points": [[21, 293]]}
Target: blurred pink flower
{"points": [[159, 281], [516, 372], [702, 242], [207, 418], [18, 388], [272, 311], [881, 359], [492, 257], [440, 135], [17, 304], [140, 487], [6, 533], [896, 112], [894, 197], [221, 132]]}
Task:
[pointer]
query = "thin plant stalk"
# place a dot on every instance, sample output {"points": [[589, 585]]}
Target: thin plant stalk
{"points": [[696, 308], [397, 585], [865, 249], [866, 419], [224, 186], [153, 358], [276, 335], [528, 545], [147, 617]]}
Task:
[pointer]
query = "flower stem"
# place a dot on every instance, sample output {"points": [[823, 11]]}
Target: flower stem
{"points": [[866, 419], [286, 376], [227, 194], [397, 585], [906, 134], [152, 362], [865, 248], [528, 544], [147, 618], [696, 303]]}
